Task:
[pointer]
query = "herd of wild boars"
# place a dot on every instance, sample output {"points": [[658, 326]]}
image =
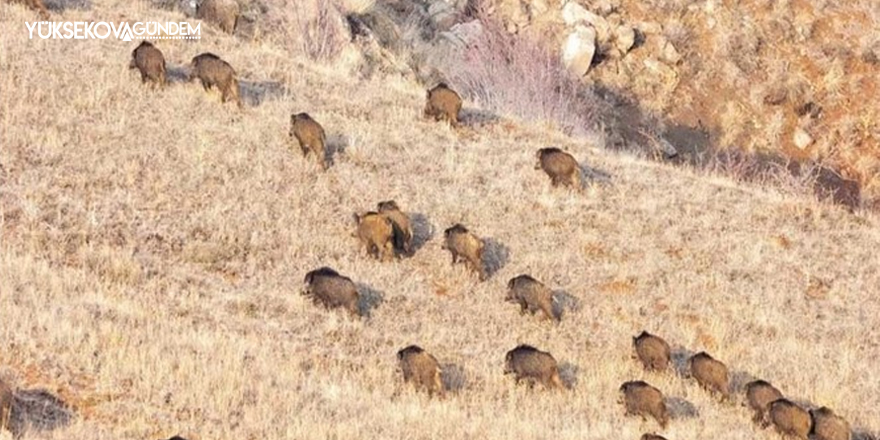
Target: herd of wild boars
{"points": [[769, 405], [386, 233]]}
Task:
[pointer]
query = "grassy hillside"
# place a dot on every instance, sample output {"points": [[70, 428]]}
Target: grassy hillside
{"points": [[154, 245]]}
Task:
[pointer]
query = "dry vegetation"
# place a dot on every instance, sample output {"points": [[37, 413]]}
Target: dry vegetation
{"points": [[154, 245], [754, 72]]}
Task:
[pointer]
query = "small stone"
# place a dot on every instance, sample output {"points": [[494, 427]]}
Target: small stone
{"points": [[625, 39], [802, 139], [669, 53], [579, 49]]}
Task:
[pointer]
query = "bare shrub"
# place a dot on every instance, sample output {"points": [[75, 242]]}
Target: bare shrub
{"points": [[313, 28], [515, 75], [322, 37]]}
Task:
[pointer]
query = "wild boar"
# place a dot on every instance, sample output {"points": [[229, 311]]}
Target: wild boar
{"points": [[464, 245], [529, 364], [642, 399], [403, 232], [421, 369], [5, 405], [376, 234], [790, 419], [829, 426], [652, 351], [443, 104], [37, 5], [759, 395], [531, 295], [311, 137], [214, 72], [150, 62], [327, 287], [222, 13], [711, 374], [562, 167]]}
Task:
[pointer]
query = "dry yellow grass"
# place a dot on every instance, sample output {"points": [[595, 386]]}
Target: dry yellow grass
{"points": [[154, 244]]}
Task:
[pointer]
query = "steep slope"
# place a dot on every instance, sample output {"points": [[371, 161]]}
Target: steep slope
{"points": [[154, 246]]}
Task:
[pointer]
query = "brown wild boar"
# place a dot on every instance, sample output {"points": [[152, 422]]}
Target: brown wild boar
{"points": [[560, 166], [652, 437], [652, 350], [376, 234], [464, 245], [711, 374], [222, 13], [443, 104], [420, 368], [327, 287], [36, 5], [642, 399], [5, 405], [403, 232], [531, 365], [759, 395], [829, 426], [790, 419], [214, 72], [310, 135], [531, 295], [150, 62]]}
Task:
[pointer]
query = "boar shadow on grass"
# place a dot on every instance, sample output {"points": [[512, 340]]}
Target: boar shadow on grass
{"points": [[38, 410], [495, 256], [477, 117], [254, 93], [863, 434], [739, 380], [564, 303], [368, 299], [187, 7], [594, 176], [453, 376], [681, 409], [568, 373], [336, 145], [63, 5], [176, 74], [423, 230], [680, 356]]}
